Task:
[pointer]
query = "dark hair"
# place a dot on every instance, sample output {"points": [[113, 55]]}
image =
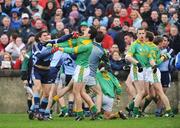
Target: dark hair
{"points": [[141, 29], [38, 35], [166, 36], [157, 40], [130, 34], [150, 35], [99, 37], [93, 32]]}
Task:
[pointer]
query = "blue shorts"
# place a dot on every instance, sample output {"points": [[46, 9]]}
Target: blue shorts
{"points": [[53, 74], [41, 75], [165, 79]]}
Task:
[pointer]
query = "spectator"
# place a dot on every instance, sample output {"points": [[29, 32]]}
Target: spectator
{"points": [[124, 17], [119, 38], [49, 11], [6, 62], [115, 28], [25, 28], [96, 23], [22, 9], [7, 6], [117, 63], [174, 39], [43, 3], [34, 7], [2, 15], [164, 27], [15, 19], [58, 30], [174, 19], [108, 40], [98, 14], [73, 20], [15, 47], [115, 14], [154, 22], [145, 25], [161, 8], [91, 7], [17, 64], [4, 41], [147, 11], [114, 48], [39, 26], [110, 8], [6, 28], [136, 18]]}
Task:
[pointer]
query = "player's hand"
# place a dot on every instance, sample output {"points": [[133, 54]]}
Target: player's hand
{"points": [[54, 49], [55, 45], [154, 68], [140, 68], [49, 45], [75, 34], [61, 49]]}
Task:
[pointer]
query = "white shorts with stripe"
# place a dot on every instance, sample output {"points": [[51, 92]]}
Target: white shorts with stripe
{"points": [[152, 77], [80, 74], [135, 75]]}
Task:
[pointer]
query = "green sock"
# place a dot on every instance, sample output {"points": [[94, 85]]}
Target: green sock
{"points": [[131, 105], [80, 113], [64, 109], [146, 103], [136, 110], [94, 109]]}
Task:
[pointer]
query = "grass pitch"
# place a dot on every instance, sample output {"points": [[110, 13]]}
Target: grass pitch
{"points": [[21, 121]]}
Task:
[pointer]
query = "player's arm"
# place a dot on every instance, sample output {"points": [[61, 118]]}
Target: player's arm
{"points": [[130, 54], [76, 50]]}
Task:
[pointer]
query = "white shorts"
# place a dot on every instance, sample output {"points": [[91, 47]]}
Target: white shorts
{"points": [[135, 75], [107, 103], [80, 74], [152, 77]]}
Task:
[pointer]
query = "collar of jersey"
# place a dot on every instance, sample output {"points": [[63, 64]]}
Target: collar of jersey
{"points": [[86, 41]]}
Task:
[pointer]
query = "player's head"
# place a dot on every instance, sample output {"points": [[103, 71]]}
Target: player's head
{"points": [[99, 37], [158, 40], [43, 36], [141, 34], [149, 36]]}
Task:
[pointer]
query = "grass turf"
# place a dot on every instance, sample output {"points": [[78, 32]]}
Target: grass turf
{"points": [[21, 121]]}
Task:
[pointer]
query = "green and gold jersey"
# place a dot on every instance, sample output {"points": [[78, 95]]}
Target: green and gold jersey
{"points": [[140, 51], [81, 46], [109, 84], [154, 53]]}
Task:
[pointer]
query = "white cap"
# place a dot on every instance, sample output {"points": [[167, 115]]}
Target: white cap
{"points": [[24, 15]]}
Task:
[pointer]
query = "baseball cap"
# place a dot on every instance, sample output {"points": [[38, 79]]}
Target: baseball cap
{"points": [[24, 15], [84, 23]]}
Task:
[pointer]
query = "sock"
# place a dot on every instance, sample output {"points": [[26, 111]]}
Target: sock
{"points": [[146, 103], [131, 105], [136, 110], [93, 109], [79, 113], [29, 103], [64, 109], [36, 101], [70, 106], [32, 107], [47, 112], [43, 105]]}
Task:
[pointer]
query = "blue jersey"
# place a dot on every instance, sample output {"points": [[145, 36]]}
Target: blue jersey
{"points": [[68, 64], [41, 54], [57, 59]]}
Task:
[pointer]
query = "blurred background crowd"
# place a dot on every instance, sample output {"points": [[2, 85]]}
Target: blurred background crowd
{"points": [[21, 20]]}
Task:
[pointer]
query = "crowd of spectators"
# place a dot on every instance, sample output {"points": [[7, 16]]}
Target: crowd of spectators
{"points": [[21, 20]]}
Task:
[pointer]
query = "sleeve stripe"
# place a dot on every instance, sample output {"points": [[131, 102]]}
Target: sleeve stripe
{"points": [[76, 50], [70, 43]]}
